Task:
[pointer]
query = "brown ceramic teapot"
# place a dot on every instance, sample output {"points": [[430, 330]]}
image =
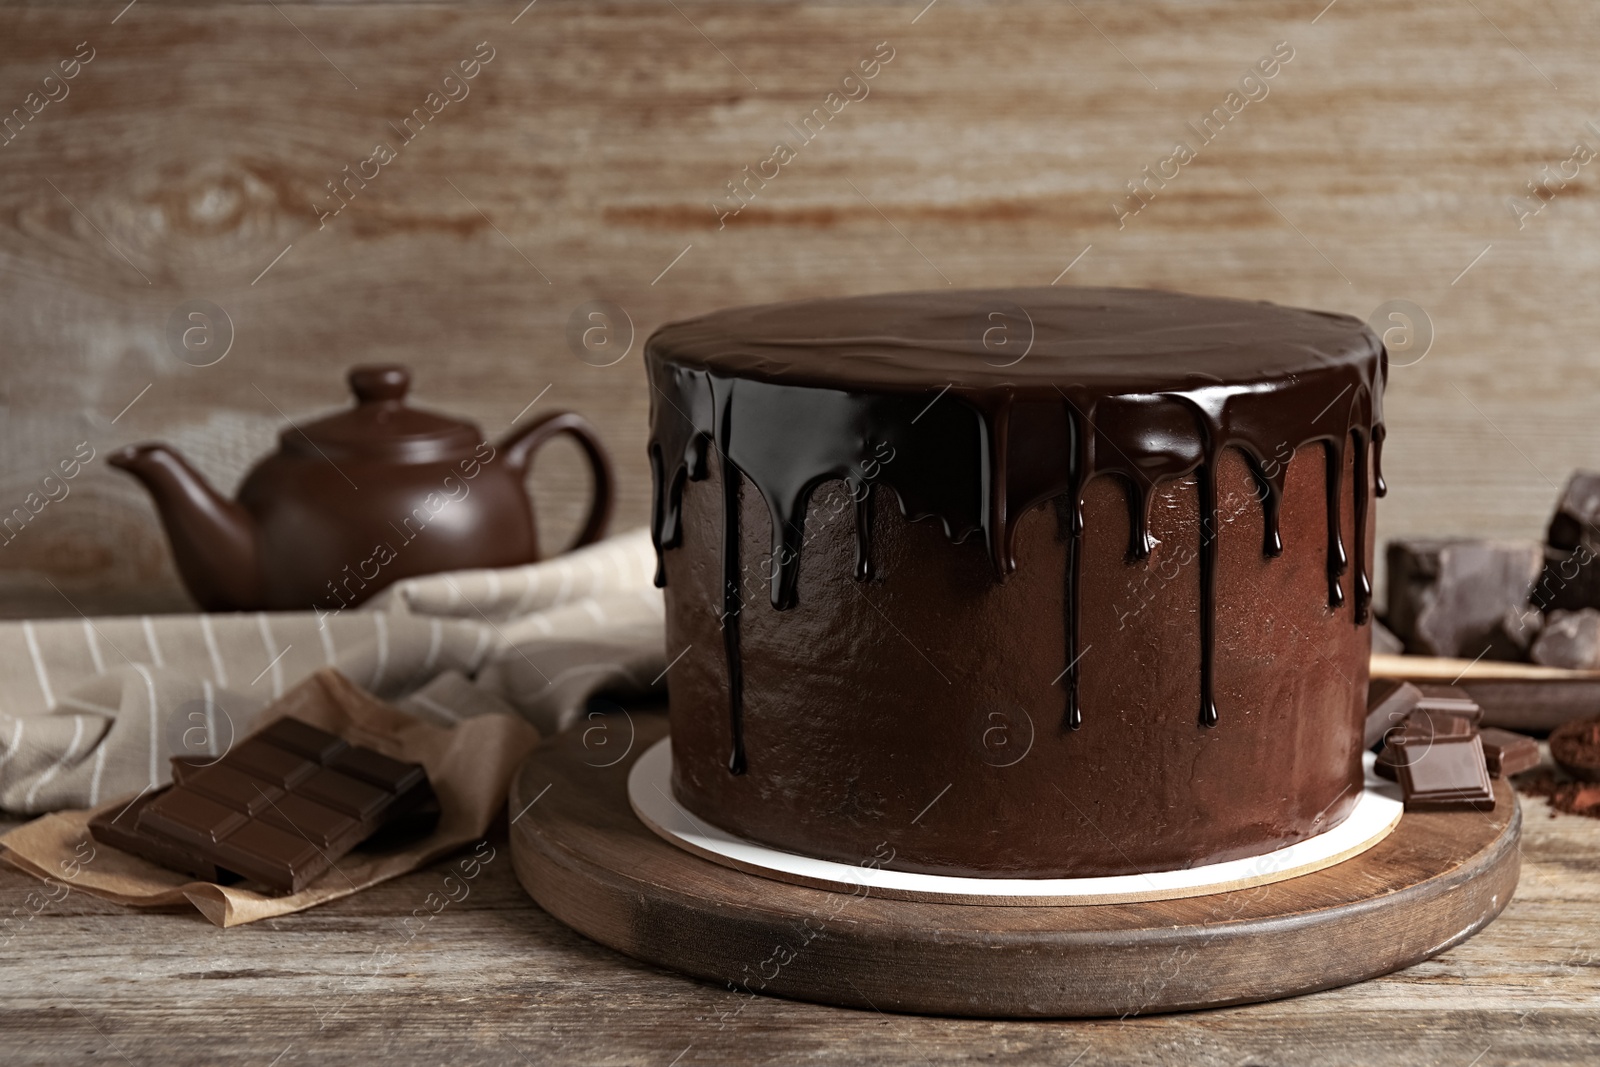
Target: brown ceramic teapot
{"points": [[359, 499]]}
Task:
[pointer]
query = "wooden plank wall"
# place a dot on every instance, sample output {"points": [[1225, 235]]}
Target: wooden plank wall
{"points": [[187, 159]]}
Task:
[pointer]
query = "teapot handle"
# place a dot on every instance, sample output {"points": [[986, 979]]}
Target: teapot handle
{"points": [[519, 446]]}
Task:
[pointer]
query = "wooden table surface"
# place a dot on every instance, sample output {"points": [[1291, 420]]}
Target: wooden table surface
{"points": [[494, 980]]}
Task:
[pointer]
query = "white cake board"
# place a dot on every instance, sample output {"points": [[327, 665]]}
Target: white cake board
{"points": [[1376, 813]]}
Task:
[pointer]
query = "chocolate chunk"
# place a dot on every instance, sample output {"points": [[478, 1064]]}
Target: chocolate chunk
{"points": [[1447, 597], [1575, 747], [1569, 639], [1419, 728], [1388, 703], [1577, 517], [1508, 753], [1514, 634], [1445, 773], [1570, 581], [1449, 700], [269, 809], [1384, 642]]}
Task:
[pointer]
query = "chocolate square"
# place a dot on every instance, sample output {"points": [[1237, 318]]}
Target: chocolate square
{"points": [[327, 829], [263, 759], [271, 856], [1444, 773], [1508, 753], [1450, 699], [234, 788], [1388, 703], [309, 741], [189, 818], [345, 794], [378, 769], [120, 830]]}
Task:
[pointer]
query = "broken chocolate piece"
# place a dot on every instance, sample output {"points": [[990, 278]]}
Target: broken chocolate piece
{"points": [[1449, 700], [1570, 582], [1508, 753], [1515, 633], [1569, 639], [1577, 517], [270, 809], [1443, 773], [1389, 701], [1384, 642], [1447, 597], [1575, 747], [1419, 728]]}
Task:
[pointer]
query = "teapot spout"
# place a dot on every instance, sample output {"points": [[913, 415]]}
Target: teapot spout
{"points": [[213, 539]]}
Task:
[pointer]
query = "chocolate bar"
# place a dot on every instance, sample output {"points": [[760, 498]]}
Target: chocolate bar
{"points": [[280, 808], [1442, 773], [404, 828], [1508, 753]]}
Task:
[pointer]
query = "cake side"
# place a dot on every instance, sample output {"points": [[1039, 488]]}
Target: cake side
{"points": [[920, 714]]}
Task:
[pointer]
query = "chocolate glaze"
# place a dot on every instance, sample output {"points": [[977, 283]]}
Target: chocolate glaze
{"points": [[905, 391]]}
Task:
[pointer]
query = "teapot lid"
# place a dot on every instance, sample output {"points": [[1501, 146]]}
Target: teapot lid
{"points": [[381, 425]]}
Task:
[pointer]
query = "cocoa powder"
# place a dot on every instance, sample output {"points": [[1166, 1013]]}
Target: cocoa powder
{"points": [[1575, 747]]}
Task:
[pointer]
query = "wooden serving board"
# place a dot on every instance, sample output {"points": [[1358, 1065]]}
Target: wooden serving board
{"points": [[1514, 696], [584, 856]]}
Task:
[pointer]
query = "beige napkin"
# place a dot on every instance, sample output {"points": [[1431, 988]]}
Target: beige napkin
{"points": [[92, 709], [469, 764]]}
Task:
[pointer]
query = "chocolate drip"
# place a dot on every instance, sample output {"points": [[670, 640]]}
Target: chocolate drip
{"points": [[1379, 486], [732, 602], [1208, 590], [1363, 585], [1333, 460], [862, 495], [1269, 490], [1069, 520], [1155, 386]]}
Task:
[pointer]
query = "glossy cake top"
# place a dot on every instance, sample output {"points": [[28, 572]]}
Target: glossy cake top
{"points": [[1120, 340]]}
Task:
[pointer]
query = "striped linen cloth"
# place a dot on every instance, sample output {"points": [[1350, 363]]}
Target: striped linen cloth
{"points": [[92, 709]]}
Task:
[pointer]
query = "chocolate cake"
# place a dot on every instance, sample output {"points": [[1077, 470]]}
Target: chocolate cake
{"points": [[1023, 583]]}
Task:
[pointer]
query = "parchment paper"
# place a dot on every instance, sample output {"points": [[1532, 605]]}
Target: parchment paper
{"points": [[470, 765]]}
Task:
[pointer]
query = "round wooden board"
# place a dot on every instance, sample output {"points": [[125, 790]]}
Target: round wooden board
{"points": [[584, 856]]}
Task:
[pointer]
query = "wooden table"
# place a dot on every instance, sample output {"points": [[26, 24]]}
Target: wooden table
{"points": [[494, 980]]}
